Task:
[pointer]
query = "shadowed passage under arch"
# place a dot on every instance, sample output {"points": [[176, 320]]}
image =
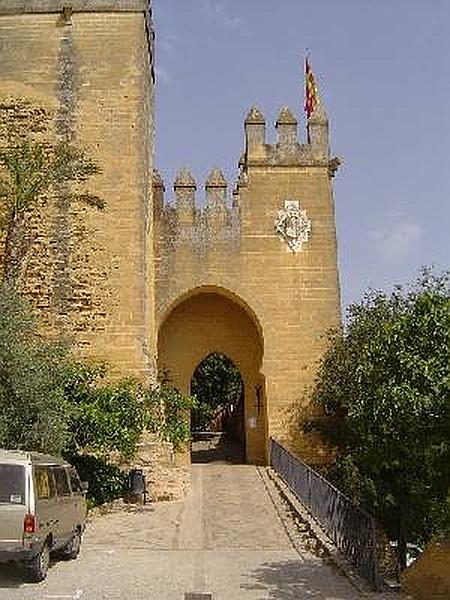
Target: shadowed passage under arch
{"points": [[210, 322], [217, 424]]}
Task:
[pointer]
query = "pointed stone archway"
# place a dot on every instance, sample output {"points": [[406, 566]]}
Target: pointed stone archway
{"points": [[209, 320]]}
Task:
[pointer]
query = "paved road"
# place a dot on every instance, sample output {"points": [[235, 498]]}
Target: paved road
{"points": [[225, 539]]}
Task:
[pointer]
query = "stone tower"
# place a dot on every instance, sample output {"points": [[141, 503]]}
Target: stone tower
{"points": [[254, 277], [90, 62]]}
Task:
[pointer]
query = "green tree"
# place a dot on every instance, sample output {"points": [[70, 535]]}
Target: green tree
{"points": [[33, 407], [216, 384], [110, 416], [385, 385], [33, 164], [106, 416]]}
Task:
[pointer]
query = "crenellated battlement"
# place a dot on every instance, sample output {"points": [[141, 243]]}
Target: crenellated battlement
{"points": [[211, 220], [267, 243], [216, 218], [287, 150]]}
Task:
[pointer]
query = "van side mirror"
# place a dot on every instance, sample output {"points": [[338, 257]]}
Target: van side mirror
{"points": [[85, 486]]}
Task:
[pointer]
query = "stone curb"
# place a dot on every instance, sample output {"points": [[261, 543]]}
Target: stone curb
{"points": [[284, 512], [328, 547]]}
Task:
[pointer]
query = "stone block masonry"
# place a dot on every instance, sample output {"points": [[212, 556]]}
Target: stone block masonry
{"points": [[18, 7], [91, 271], [255, 277]]}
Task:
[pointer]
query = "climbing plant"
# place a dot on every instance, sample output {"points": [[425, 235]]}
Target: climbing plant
{"points": [[167, 413]]}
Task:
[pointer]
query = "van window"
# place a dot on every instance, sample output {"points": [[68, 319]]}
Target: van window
{"points": [[75, 481], [44, 484], [12, 484], [62, 483]]}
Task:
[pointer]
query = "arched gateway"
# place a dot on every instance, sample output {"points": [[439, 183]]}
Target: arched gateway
{"points": [[255, 277], [213, 320]]}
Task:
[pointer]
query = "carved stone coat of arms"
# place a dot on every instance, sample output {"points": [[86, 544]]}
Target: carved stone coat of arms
{"points": [[293, 225]]}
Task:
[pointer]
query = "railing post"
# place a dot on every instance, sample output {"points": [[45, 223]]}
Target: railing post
{"points": [[309, 489], [376, 573]]}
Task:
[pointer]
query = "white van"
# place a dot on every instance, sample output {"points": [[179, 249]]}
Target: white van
{"points": [[42, 510]]}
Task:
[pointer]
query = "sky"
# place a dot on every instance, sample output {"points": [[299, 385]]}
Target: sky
{"points": [[383, 70]]}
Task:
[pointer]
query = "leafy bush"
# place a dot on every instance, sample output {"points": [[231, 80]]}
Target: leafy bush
{"points": [[109, 417], [34, 411], [53, 404], [106, 482], [167, 413], [105, 416], [386, 384]]}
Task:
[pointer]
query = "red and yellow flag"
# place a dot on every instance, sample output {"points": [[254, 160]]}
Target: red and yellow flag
{"points": [[311, 95]]}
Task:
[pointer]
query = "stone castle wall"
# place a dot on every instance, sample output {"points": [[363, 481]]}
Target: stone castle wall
{"points": [[112, 278], [91, 271], [231, 248]]}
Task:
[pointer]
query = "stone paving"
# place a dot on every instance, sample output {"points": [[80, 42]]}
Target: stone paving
{"points": [[226, 539]]}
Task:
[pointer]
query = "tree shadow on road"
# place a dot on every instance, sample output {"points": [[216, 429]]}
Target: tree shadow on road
{"points": [[292, 579], [208, 447]]}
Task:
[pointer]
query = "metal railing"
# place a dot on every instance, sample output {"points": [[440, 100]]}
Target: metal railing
{"points": [[350, 527]]}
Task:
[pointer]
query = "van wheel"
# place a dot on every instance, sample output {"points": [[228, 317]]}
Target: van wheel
{"points": [[38, 566], [72, 548]]}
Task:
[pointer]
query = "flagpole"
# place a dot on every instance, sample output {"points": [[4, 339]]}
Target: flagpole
{"points": [[307, 67], [305, 75]]}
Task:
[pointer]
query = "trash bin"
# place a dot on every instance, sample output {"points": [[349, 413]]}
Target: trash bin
{"points": [[136, 485]]}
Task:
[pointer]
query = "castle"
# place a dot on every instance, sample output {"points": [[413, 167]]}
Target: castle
{"points": [[147, 284]]}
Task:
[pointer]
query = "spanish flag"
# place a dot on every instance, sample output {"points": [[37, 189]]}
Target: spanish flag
{"points": [[311, 95]]}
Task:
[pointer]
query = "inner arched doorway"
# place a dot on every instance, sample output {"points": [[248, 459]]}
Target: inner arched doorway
{"points": [[218, 421], [211, 321]]}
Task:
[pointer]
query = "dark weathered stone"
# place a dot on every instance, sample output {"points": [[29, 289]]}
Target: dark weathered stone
{"points": [[55, 6]]}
